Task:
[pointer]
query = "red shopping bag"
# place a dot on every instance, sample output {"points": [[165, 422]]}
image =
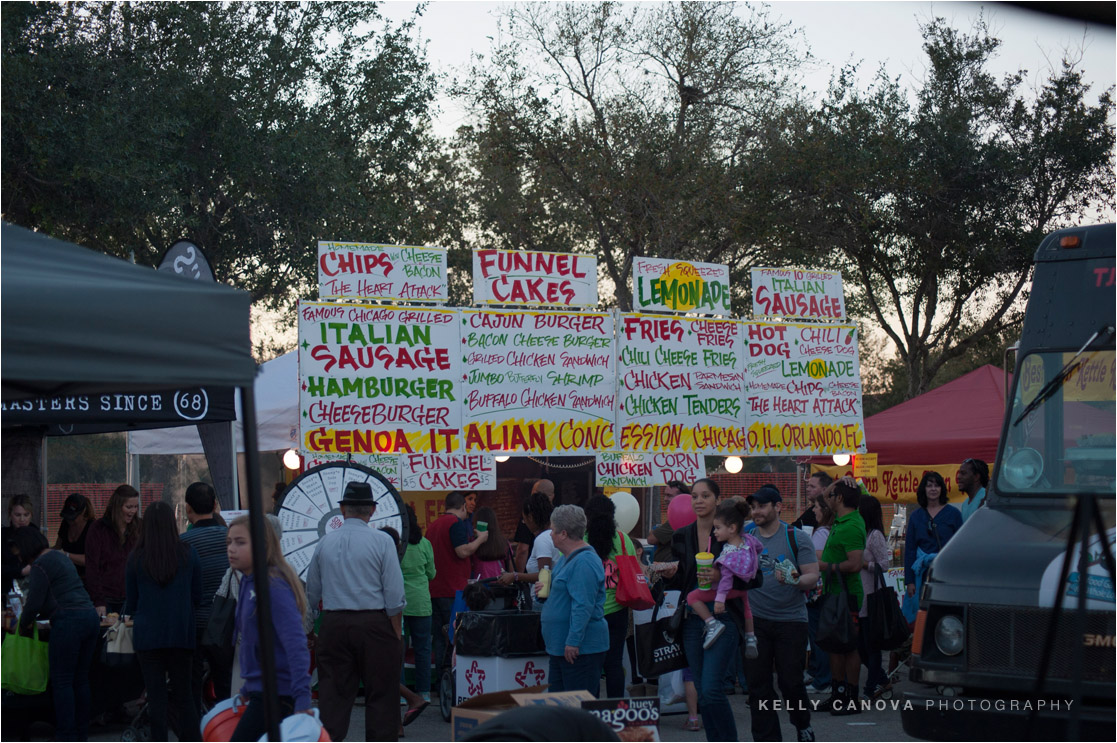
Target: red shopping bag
{"points": [[632, 584]]}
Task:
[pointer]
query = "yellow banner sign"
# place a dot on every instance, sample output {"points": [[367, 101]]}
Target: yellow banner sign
{"points": [[897, 483]]}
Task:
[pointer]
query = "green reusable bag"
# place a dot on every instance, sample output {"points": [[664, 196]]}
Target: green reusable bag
{"points": [[24, 664]]}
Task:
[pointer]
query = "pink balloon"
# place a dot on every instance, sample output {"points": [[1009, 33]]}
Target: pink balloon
{"points": [[680, 511]]}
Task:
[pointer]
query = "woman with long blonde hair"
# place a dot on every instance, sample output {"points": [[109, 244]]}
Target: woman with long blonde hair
{"points": [[288, 608]]}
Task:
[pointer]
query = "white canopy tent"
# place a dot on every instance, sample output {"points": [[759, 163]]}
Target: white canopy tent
{"points": [[277, 416]]}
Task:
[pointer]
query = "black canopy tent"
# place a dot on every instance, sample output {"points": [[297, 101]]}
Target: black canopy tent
{"points": [[73, 321]]}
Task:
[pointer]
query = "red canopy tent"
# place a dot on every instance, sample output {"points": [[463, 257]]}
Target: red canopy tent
{"points": [[960, 419]]}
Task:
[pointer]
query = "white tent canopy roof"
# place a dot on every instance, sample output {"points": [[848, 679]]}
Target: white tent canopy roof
{"points": [[277, 416]]}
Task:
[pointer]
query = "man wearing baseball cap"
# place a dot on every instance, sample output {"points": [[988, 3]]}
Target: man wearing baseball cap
{"points": [[779, 613]]}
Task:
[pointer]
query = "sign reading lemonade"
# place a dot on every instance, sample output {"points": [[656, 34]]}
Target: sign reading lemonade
{"points": [[666, 285]]}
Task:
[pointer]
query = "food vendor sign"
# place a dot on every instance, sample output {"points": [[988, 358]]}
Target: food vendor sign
{"points": [[664, 285], [804, 389], [378, 379], [538, 382], [797, 294], [386, 464], [681, 383], [424, 471], [537, 279], [644, 469], [371, 271]]}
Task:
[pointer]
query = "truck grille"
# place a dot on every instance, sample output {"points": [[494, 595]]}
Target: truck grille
{"points": [[1010, 640]]}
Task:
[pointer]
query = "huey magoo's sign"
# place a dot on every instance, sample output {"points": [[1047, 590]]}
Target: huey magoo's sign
{"points": [[804, 389], [537, 279], [797, 294], [681, 384], [371, 271], [538, 382], [664, 285], [378, 379]]}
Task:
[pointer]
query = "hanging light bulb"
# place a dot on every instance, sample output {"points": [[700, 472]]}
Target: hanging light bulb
{"points": [[502, 458], [841, 459], [733, 465], [291, 459]]}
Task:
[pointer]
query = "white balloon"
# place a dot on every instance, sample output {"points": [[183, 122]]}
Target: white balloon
{"points": [[627, 510]]}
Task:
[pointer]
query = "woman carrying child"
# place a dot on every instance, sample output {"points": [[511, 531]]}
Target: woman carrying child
{"points": [[739, 558]]}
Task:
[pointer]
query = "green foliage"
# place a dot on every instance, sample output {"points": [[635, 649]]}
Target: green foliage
{"points": [[254, 129], [626, 134], [933, 208]]}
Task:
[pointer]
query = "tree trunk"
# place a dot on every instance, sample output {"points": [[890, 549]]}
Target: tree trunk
{"points": [[23, 467]]}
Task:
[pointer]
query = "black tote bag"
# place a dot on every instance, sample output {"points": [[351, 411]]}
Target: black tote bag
{"points": [[659, 647], [218, 634], [885, 623], [836, 631]]}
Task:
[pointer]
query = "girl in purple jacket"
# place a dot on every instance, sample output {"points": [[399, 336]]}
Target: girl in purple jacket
{"points": [[288, 607]]}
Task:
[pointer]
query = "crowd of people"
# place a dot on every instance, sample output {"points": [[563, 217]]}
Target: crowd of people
{"points": [[752, 584]]}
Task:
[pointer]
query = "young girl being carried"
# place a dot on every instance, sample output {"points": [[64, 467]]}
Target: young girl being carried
{"points": [[740, 557], [288, 607]]}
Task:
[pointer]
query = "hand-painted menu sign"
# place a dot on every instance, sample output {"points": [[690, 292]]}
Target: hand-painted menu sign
{"points": [[378, 379], [681, 383], [797, 294], [538, 382], [664, 285], [448, 471], [804, 389], [386, 464], [520, 277], [370, 271], [644, 469]]}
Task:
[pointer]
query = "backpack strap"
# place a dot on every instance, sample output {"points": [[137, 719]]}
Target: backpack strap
{"points": [[792, 544]]}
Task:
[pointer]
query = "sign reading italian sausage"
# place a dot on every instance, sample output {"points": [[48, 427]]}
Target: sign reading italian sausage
{"points": [[797, 294], [378, 379]]}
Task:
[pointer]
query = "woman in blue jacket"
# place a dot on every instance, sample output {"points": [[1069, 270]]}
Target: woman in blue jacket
{"points": [[163, 586], [574, 628], [930, 527]]}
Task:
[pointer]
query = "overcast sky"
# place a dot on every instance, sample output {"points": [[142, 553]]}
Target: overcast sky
{"points": [[871, 33]]}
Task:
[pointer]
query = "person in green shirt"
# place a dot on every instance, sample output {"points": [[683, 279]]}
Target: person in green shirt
{"points": [[603, 536], [843, 552], [418, 570]]}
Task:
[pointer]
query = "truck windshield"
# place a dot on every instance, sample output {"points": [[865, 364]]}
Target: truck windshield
{"points": [[1066, 442]]}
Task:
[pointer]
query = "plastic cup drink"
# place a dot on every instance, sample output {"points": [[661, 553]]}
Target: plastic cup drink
{"points": [[704, 560], [482, 526]]}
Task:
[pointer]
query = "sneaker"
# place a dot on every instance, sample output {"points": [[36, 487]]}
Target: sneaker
{"points": [[806, 734], [819, 689], [713, 632], [837, 701], [751, 649]]}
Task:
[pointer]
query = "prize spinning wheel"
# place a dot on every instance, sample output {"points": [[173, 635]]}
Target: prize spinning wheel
{"points": [[309, 508]]}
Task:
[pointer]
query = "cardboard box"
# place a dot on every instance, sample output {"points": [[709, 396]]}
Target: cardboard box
{"points": [[472, 712], [475, 675]]}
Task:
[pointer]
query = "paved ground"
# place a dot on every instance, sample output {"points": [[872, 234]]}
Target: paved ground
{"points": [[880, 724]]}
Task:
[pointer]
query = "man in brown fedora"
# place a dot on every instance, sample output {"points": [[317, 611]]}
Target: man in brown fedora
{"points": [[356, 575]]}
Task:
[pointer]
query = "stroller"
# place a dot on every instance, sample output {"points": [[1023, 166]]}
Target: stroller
{"points": [[482, 595], [139, 724]]}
